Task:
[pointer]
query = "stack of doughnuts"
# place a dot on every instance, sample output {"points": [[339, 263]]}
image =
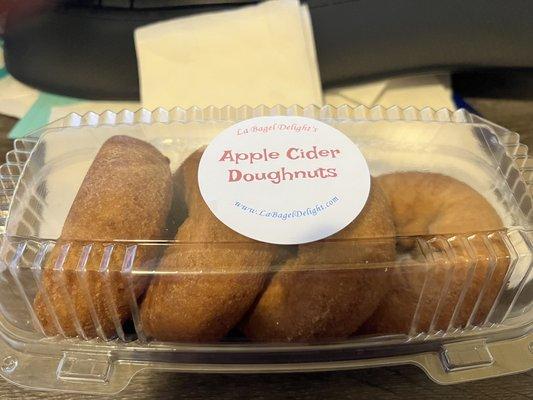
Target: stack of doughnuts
{"points": [[425, 254]]}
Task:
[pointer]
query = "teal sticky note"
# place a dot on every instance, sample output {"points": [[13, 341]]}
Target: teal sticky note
{"points": [[3, 70], [39, 113]]}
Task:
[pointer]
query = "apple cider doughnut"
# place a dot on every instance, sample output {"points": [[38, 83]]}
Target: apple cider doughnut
{"points": [[125, 195], [209, 278], [470, 260], [333, 285]]}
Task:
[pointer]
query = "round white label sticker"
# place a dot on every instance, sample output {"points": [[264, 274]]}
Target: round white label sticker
{"points": [[284, 180]]}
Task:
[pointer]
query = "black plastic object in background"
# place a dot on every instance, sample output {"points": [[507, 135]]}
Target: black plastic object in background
{"points": [[81, 50], [364, 39], [506, 84], [86, 49]]}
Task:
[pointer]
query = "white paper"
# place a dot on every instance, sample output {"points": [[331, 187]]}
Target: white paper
{"points": [[261, 54], [418, 91], [15, 97], [353, 95]]}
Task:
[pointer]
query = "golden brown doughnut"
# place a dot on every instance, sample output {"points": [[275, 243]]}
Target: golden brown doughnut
{"points": [[209, 278], [466, 262], [125, 195], [327, 291]]}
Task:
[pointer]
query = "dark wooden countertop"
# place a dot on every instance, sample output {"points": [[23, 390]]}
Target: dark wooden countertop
{"points": [[404, 382]]}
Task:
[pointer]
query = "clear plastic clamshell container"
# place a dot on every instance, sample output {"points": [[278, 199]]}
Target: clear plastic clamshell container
{"points": [[96, 286]]}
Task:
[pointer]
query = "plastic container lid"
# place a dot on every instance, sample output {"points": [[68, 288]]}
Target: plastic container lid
{"points": [[116, 256]]}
